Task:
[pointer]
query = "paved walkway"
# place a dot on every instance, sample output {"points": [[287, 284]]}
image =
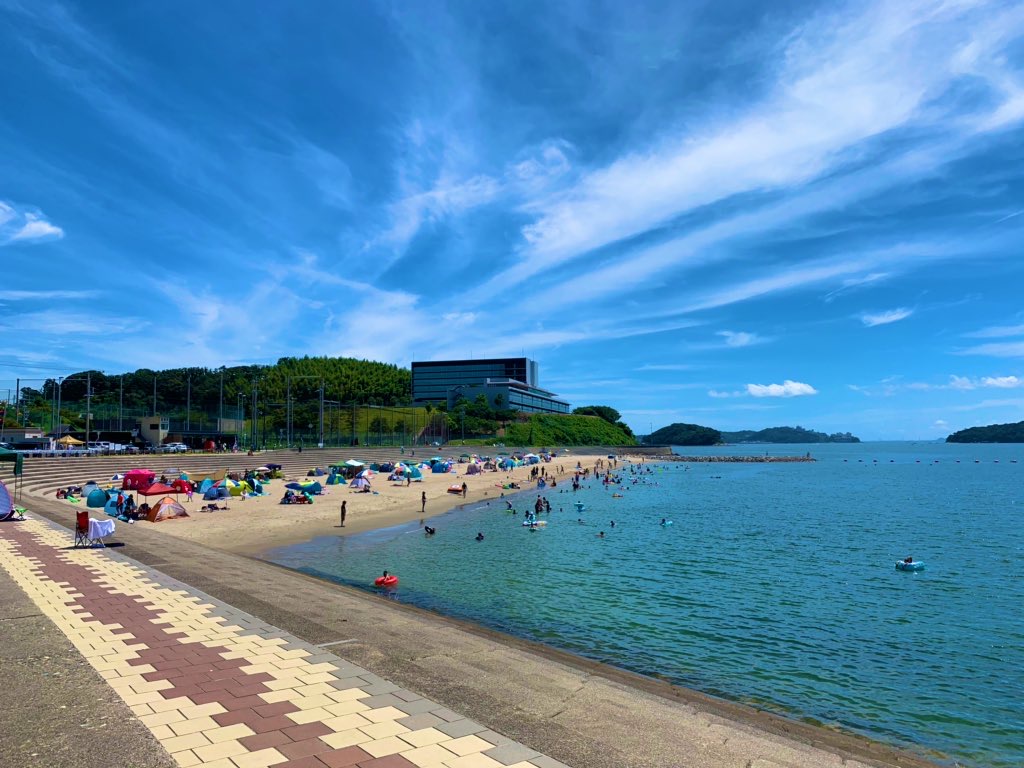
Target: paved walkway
{"points": [[220, 688]]}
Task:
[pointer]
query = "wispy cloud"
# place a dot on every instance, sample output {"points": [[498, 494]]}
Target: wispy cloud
{"points": [[884, 318], [740, 338], [841, 84], [852, 283], [12, 295], [665, 367], [996, 332], [788, 388], [722, 395], [996, 349]]}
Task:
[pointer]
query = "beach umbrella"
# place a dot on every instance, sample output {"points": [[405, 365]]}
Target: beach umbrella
{"points": [[368, 473]]}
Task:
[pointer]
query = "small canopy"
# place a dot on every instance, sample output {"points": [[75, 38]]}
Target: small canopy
{"points": [[181, 486], [165, 509], [354, 463], [17, 458], [137, 479], [156, 489], [366, 473], [262, 469], [69, 440], [227, 482], [97, 499]]}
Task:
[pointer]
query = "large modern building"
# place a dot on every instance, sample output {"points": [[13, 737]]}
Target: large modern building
{"points": [[508, 382]]}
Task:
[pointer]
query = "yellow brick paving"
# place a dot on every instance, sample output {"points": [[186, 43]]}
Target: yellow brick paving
{"points": [[353, 710]]}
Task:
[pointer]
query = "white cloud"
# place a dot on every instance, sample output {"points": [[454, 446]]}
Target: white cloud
{"points": [[884, 318], [844, 80], [960, 382], [719, 394], [851, 283], [997, 349], [25, 226], [940, 424], [1002, 382], [787, 388], [997, 331], [739, 338], [44, 295]]}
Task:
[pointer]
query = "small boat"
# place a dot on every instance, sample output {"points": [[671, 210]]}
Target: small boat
{"points": [[386, 581], [902, 565]]}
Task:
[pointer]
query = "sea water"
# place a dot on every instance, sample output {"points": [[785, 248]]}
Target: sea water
{"points": [[775, 585]]}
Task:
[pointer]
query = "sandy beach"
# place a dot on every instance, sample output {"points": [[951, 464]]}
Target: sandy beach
{"points": [[254, 525]]}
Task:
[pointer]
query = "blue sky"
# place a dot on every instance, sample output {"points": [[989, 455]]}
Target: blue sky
{"points": [[730, 213]]}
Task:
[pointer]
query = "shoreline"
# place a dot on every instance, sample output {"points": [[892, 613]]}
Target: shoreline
{"points": [[847, 744]]}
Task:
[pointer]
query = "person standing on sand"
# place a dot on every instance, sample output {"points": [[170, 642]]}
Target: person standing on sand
{"points": [[343, 513], [423, 502], [464, 489]]}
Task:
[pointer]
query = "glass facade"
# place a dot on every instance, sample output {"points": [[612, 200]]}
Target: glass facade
{"points": [[432, 380], [514, 378]]}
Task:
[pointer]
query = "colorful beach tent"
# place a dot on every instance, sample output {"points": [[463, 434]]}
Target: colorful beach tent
{"points": [[137, 479], [213, 493], [6, 501], [360, 482], [155, 489], [166, 509], [335, 479], [97, 498]]}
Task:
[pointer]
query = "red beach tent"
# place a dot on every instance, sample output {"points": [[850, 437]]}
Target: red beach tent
{"points": [[137, 479]]}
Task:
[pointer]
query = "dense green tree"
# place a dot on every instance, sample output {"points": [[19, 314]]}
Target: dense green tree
{"points": [[993, 433], [684, 434]]}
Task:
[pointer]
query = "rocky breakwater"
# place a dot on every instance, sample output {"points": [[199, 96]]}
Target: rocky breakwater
{"points": [[759, 459]]}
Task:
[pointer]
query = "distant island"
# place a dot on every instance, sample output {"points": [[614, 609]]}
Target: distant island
{"points": [[787, 435], [695, 434], [993, 433]]}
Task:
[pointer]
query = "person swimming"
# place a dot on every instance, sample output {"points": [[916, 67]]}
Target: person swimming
{"points": [[479, 536], [429, 531]]}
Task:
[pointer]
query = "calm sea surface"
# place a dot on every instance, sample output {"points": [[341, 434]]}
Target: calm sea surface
{"points": [[775, 585]]}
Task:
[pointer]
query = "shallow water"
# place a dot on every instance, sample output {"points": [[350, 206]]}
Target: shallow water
{"points": [[774, 586]]}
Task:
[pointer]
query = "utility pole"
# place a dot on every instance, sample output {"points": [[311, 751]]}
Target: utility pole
{"points": [[120, 407], [288, 414], [17, 400], [154, 394], [188, 405]]}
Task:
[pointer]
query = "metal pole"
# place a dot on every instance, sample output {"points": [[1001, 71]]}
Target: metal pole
{"points": [[88, 406], [321, 413], [220, 422], [188, 405], [154, 394], [288, 414], [60, 391], [17, 400], [120, 407]]}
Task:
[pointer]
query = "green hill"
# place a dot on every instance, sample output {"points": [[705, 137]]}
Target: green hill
{"points": [[787, 435], [685, 434], [993, 433], [551, 429]]}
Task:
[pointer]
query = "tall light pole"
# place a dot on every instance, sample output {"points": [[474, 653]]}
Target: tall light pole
{"points": [[188, 405], [120, 407]]}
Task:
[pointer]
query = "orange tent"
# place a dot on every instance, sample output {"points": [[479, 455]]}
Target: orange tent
{"points": [[166, 509]]}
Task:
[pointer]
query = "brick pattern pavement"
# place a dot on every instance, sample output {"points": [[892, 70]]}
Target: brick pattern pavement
{"points": [[219, 688]]}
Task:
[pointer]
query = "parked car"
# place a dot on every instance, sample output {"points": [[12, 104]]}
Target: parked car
{"points": [[176, 448]]}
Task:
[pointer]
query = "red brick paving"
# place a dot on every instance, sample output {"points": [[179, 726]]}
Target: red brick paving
{"points": [[197, 671]]}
